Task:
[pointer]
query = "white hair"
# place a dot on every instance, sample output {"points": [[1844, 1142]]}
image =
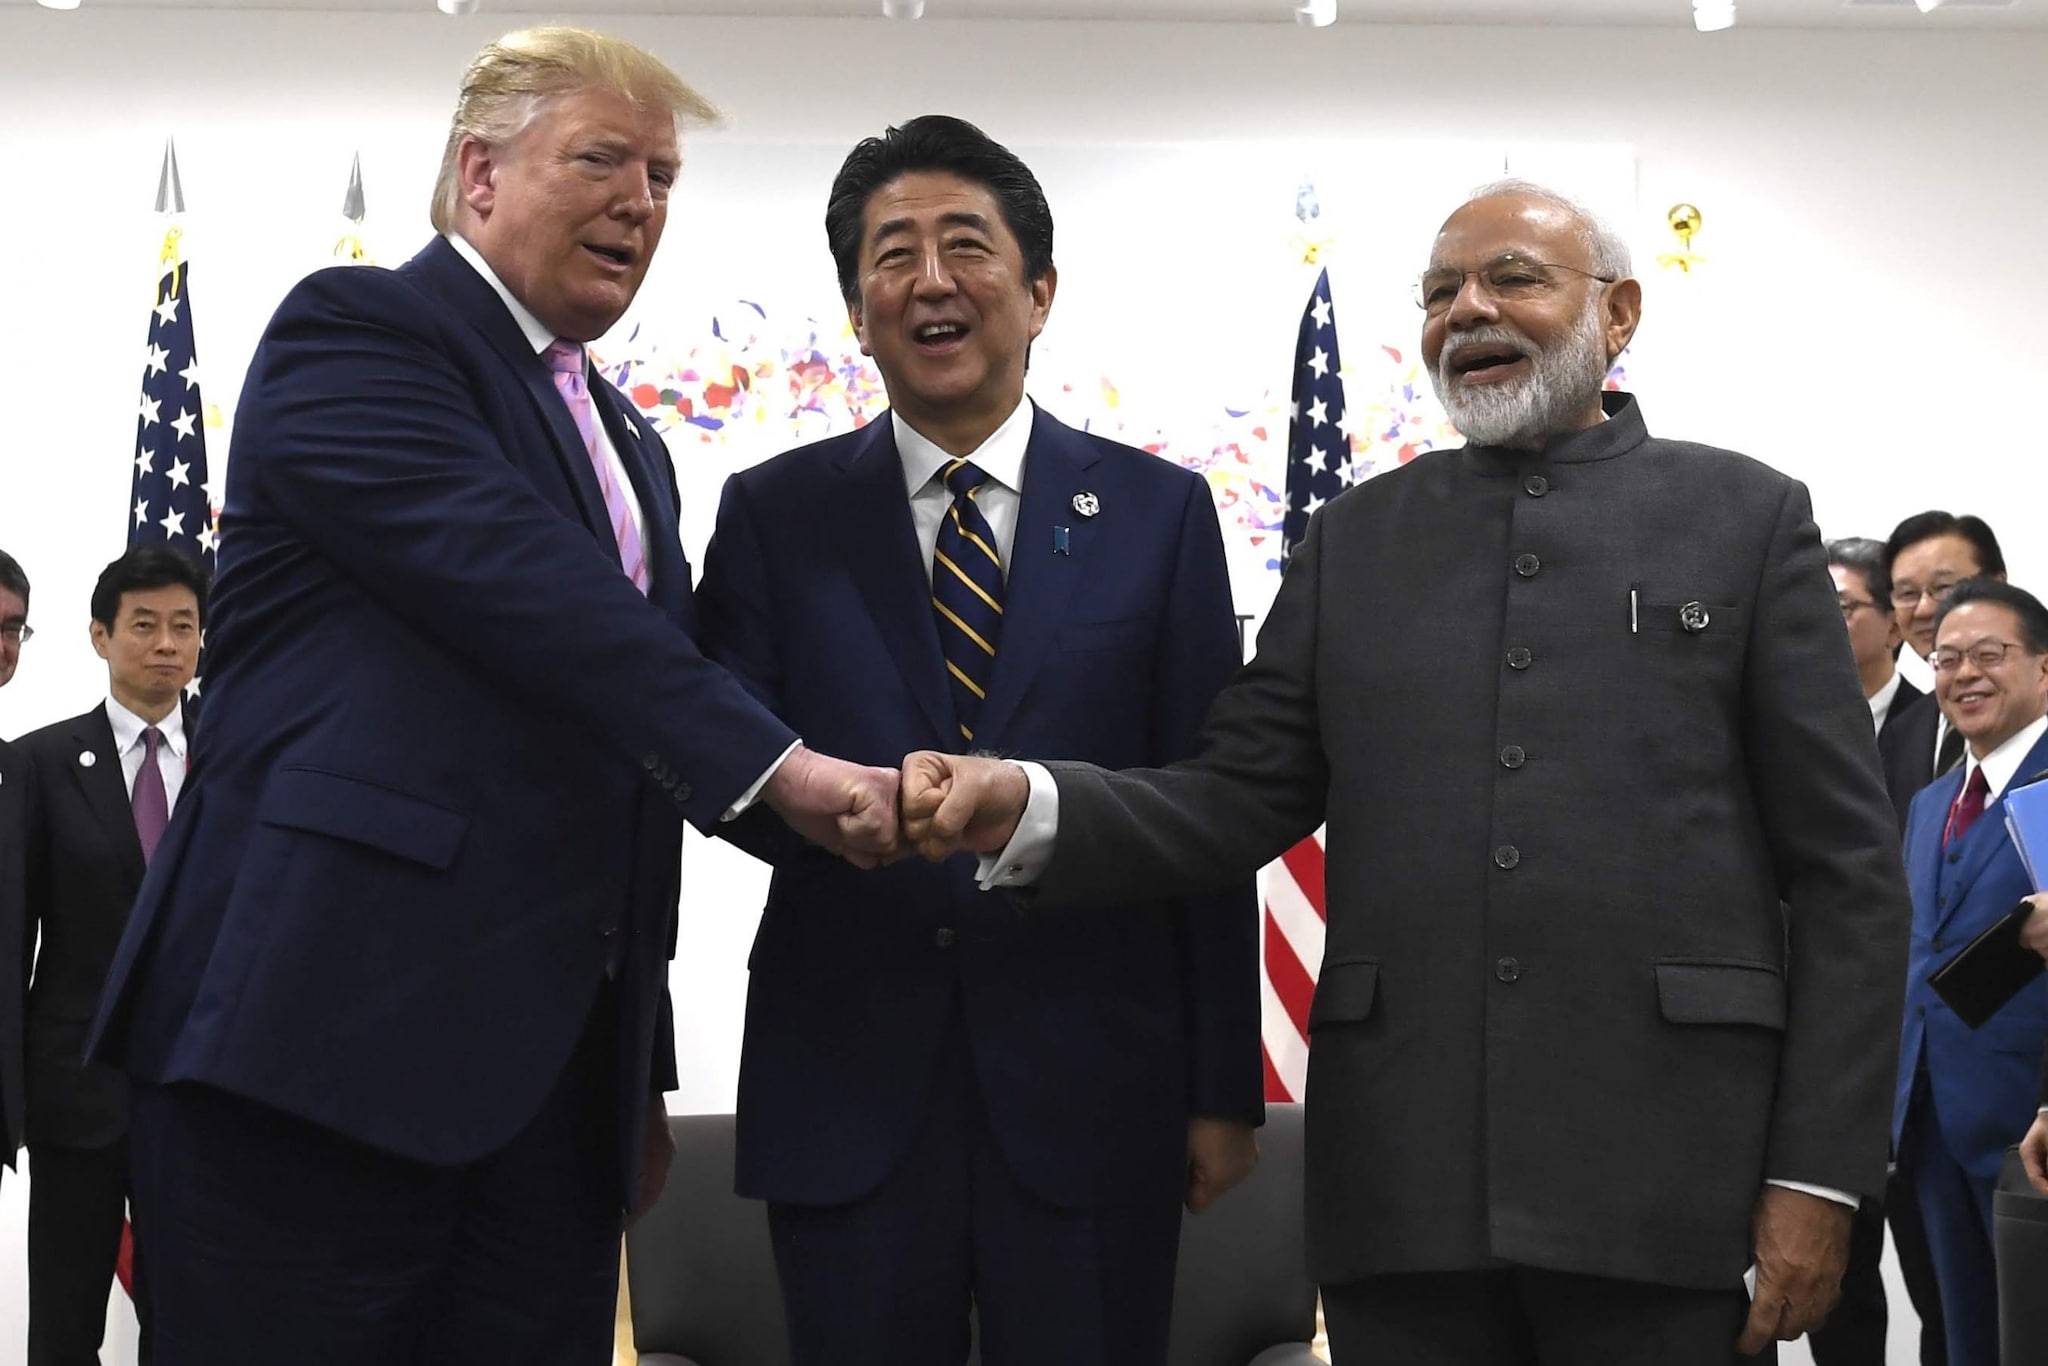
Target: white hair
{"points": [[1604, 245]]}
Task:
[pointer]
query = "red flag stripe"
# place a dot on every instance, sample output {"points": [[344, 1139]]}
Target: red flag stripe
{"points": [[1304, 864], [1291, 981], [1276, 1089]]}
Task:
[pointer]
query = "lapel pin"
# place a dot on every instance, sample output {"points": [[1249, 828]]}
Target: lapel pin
{"points": [[1693, 617], [1060, 544], [86, 758], [1087, 504]]}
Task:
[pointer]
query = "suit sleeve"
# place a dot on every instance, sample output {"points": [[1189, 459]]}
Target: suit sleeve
{"points": [[373, 451], [1833, 839], [735, 607], [1218, 932], [1258, 782]]}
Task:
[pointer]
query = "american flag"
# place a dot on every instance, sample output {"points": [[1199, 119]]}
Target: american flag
{"points": [[170, 497], [1318, 469]]}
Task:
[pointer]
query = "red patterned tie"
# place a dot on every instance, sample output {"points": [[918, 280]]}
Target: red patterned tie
{"points": [[1968, 807], [565, 359]]}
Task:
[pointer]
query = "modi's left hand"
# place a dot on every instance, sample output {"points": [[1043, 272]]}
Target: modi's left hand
{"points": [[1801, 1245], [1221, 1153]]}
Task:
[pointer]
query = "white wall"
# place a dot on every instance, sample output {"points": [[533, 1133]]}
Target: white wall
{"points": [[1869, 318]]}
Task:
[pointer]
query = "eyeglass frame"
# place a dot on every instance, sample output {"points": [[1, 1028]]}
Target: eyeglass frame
{"points": [[1976, 655], [1849, 606], [1909, 599], [1419, 290], [21, 633]]}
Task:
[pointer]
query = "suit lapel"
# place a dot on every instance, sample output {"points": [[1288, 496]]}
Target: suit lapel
{"points": [[444, 270], [1041, 579], [104, 789], [1988, 835], [1924, 855], [870, 516]]}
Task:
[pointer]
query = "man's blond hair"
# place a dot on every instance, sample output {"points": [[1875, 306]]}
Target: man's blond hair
{"points": [[513, 79]]}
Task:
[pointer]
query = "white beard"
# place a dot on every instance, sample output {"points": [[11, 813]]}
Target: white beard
{"points": [[1562, 383]]}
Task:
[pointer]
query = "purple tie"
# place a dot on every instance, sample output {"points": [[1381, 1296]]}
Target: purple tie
{"points": [[151, 803], [565, 359]]}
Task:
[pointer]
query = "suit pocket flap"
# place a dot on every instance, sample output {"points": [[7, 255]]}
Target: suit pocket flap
{"points": [[1721, 993], [364, 813], [1344, 992]]}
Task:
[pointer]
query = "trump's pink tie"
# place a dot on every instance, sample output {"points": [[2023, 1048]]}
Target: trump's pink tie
{"points": [[565, 359]]}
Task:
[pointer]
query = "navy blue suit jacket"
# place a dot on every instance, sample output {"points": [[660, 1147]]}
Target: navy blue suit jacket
{"points": [[1095, 1036], [1984, 1080], [448, 748]]}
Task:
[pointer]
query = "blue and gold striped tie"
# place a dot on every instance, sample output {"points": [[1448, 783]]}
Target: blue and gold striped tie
{"points": [[967, 595]]}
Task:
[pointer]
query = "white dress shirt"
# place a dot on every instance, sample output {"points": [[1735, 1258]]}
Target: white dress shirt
{"points": [[2002, 765], [1881, 700], [170, 756], [1001, 458]]}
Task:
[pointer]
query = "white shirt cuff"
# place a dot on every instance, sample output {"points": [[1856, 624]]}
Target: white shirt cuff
{"points": [[753, 794], [1824, 1192], [1030, 848]]}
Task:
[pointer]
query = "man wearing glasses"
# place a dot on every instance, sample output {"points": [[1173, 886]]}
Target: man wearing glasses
{"points": [[1929, 554], [1964, 1094], [14, 632], [1614, 897]]}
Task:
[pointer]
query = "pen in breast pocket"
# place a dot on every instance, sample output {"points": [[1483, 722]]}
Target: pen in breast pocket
{"points": [[1632, 611]]}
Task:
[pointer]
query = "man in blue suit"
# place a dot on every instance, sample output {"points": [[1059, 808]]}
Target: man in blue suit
{"points": [[943, 1102], [393, 990], [1965, 1095]]}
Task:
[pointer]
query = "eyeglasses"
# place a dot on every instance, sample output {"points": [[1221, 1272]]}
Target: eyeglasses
{"points": [[1849, 606], [1509, 277], [1985, 654], [17, 632], [1906, 599]]}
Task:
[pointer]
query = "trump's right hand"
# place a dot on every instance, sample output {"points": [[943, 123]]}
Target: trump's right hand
{"points": [[955, 802], [845, 808]]}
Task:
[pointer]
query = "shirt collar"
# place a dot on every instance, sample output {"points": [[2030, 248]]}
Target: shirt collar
{"points": [[128, 728], [536, 332], [1881, 700], [1001, 457], [2002, 765], [1621, 431]]}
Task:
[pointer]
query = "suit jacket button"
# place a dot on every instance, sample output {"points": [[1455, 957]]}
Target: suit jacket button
{"points": [[1519, 657], [1507, 970], [1536, 485], [682, 792], [1507, 856], [943, 938], [1514, 756], [1527, 565], [651, 762]]}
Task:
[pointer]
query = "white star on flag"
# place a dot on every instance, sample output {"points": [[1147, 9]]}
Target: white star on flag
{"points": [[1315, 461], [190, 374], [180, 473], [1321, 311], [167, 311], [145, 461], [209, 540], [157, 360], [183, 422], [1320, 362], [149, 411], [141, 512], [1318, 413], [173, 524], [1314, 502]]}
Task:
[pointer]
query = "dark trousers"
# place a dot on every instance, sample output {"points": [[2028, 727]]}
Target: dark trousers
{"points": [[888, 1280], [1955, 1208], [272, 1239], [1518, 1316], [1916, 1265], [77, 1200], [1854, 1332]]}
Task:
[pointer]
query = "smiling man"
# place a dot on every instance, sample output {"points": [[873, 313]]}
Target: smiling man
{"points": [[1963, 1095], [1614, 895], [941, 1102], [394, 991]]}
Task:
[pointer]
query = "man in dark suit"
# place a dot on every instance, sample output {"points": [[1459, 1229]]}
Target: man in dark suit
{"points": [[1927, 555], [394, 991], [1854, 1334], [14, 782], [1615, 905], [944, 1103], [106, 785], [1963, 1094]]}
